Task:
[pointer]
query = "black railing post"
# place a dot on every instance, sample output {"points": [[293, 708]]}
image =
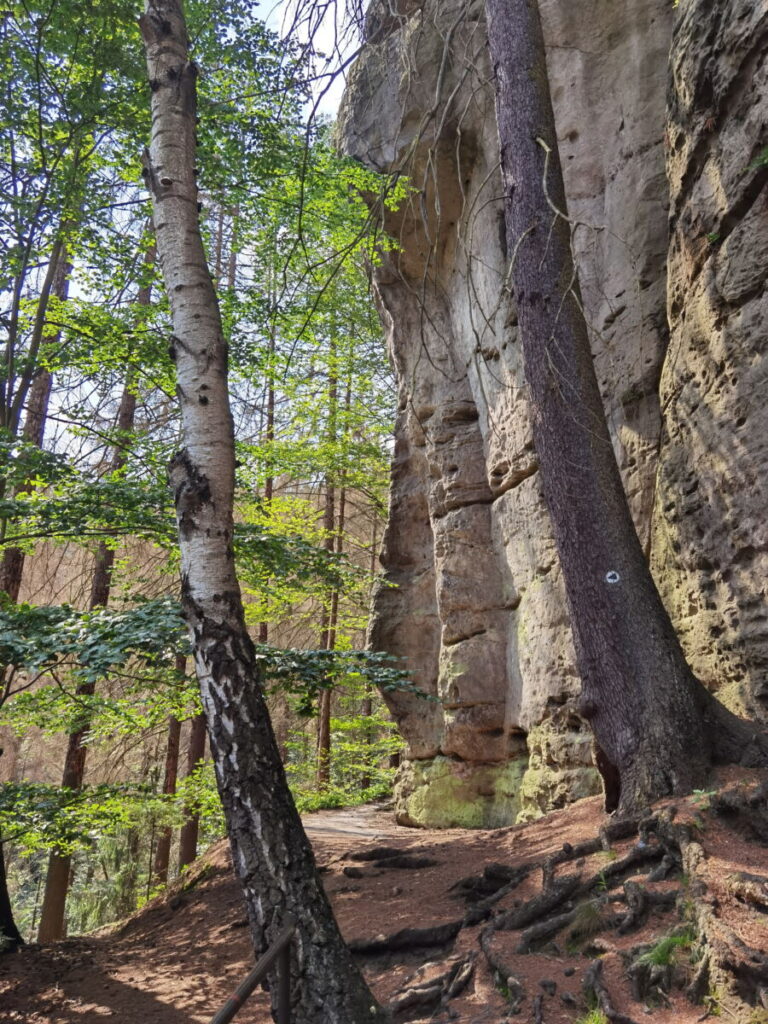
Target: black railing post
{"points": [[284, 985], [279, 952]]}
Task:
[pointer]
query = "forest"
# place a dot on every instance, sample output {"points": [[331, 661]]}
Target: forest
{"points": [[382, 511]]}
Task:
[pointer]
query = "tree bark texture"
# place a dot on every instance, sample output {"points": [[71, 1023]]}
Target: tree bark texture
{"points": [[271, 852], [656, 727], [189, 831]]}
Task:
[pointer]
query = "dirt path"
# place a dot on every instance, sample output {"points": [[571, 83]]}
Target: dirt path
{"points": [[178, 960]]}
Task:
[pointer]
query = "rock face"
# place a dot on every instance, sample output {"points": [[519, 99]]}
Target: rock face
{"points": [[710, 528], [478, 607]]}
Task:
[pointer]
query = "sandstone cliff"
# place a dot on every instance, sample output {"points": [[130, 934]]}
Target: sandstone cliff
{"points": [[478, 609]]}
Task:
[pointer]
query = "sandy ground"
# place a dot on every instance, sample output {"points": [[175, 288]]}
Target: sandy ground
{"points": [[178, 959]]}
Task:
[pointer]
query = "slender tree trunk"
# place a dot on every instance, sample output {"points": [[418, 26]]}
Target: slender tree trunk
{"points": [[10, 936], [190, 829], [163, 851], [367, 708], [33, 432], [271, 853], [328, 631], [57, 881], [657, 730], [125, 903], [269, 483], [327, 643]]}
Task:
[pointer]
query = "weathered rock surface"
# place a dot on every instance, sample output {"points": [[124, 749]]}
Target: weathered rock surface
{"points": [[710, 539], [478, 610]]}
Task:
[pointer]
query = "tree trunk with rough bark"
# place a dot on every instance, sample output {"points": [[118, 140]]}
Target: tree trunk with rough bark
{"points": [[271, 852], [163, 851], [189, 832], [656, 728]]}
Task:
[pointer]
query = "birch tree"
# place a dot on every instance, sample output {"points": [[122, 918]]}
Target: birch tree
{"points": [[271, 853]]}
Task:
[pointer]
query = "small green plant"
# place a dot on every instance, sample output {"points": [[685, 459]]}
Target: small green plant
{"points": [[758, 1016], [602, 881], [703, 797], [608, 855], [593, 1017], [667, 950], [761, 160], [713, 237], [713, 1002]]}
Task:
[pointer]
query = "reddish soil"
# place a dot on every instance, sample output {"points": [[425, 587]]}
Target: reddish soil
{"points": [[177, 960]]}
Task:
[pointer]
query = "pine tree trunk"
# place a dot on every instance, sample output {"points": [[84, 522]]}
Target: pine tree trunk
{"points": [[163, 851], [653, 722], [188, 834], [271, 853]]}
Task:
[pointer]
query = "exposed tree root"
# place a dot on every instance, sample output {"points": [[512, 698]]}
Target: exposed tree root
{"points": [[543, 930], [505, 976], [641, 901], [746, 813], [428, 991], [613, 831], [539, 906], [729, 972], [408, 938], [538, 1010], [593, 983]]}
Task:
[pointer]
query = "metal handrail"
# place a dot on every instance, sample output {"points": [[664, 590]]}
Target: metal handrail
{"points": [[279, 951]]}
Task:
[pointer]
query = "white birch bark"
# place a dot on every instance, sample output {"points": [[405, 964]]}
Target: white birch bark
{"points": [[271, 852]]}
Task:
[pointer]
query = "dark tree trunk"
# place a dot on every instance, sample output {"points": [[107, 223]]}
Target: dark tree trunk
{"points": [[656, 727], [190, 829], [163, 851], [10, 937], [271, 852]]}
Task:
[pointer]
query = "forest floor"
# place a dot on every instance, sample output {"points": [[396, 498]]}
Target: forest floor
{"points": [[467, 899]]}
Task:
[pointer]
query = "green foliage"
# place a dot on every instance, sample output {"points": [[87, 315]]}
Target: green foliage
{"points": [[667, 950], [40, 817], [594, 1016], [290, 239], [302, 674], [761, 160]]}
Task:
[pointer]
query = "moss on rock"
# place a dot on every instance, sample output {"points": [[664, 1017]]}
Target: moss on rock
{"points": [[445, 793]]}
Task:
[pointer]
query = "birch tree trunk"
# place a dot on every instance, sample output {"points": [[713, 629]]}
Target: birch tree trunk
{"points": [[657, 729], [271, 853]]}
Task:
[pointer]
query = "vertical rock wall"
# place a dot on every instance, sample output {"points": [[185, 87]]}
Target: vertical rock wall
{"points": [[710, 541], [478, 607]]}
